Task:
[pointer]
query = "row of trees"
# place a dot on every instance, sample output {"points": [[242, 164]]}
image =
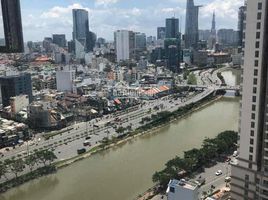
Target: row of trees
{"points": [[196, 159], [33, 161]]}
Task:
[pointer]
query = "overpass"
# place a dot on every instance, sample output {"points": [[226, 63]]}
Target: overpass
{"points": [[215, 87]]}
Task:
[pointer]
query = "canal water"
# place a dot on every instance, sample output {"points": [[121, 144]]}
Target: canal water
{"points": [[124, 172]]}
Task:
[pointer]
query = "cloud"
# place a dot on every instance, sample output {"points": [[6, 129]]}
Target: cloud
{"points": [[105, 2], [57, 12], [226, 13], [104, 20]]}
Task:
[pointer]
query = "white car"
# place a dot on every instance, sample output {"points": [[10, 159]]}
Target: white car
{"points": [[218, 173]]}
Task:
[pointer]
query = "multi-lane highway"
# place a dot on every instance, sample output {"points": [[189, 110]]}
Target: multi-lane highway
{"points": [[65, 145]]}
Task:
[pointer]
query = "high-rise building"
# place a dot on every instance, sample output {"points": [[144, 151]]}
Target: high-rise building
{"points": [[151, 40], [240, 27], [204, 35], [80, 31], [15, 85], [250, 175], [91, 41], [59, 39], [227, 37], [65, 80], [124, 44], [140, 41], [172, 28], [161, 33], [12, 26], [191, 25], [173, 54]]}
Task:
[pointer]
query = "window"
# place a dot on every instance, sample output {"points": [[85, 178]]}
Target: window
{"points": [[256, 63], [251, 149], [255, 72], [172, 189], [255, 81], [253, 116], [259, 25], [246, 177], [256, 54], [259, 15], [250, 165], [250, 157], [257, 45], [254, 99], [252, 133], [252, 124], [253, 107], [258, 35], [259, 6], [252, 141], [254, 90]]}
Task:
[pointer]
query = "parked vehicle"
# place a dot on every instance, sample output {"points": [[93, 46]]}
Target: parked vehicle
{"points": [[218, 173], [80, 151], [86, 143]]}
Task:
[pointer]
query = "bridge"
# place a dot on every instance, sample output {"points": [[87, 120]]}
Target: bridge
{"points": [[215, 87]]}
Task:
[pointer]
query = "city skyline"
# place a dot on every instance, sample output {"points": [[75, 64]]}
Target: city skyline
{"points": [[55, 17]]}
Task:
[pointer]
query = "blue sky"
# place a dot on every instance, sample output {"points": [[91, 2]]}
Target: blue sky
{"points": [[43, 18]]}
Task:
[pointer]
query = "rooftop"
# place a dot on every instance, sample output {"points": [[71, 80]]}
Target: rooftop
{"points": [[184, 184]]}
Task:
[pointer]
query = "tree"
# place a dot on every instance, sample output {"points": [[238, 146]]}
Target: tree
{"points": [[191, 79], [3, 170], [45, 156], [31, 161], [120, 130], [15, 165]]}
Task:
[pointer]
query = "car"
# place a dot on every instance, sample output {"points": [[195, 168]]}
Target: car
{"points": [[218, 173], [228, 179]]}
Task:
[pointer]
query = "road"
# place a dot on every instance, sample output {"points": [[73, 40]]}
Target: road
{"points": [[65, 145]]}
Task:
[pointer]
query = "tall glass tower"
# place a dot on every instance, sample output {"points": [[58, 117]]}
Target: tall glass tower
{"points": [[191, 25], [12, 26]]}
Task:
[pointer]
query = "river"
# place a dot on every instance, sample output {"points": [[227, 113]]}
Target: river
{"points": [[125, 171]]}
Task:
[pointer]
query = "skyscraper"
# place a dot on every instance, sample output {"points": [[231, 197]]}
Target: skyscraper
{"points": [[90, 41], [59, 39], [12, 26], [124, 44], [80, 31], [240, 27], [172, 28], [140, 41], [161, 33], [250, 175], [191, 25]]}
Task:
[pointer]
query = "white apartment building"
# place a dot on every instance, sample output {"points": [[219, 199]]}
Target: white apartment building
{"points": [[250, 175], [124, 44], [65, 80], [182, 190]]}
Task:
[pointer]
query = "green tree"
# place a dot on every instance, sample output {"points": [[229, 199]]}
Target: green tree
{"points": [[120, 130], [192, 79], [15, 166], [31, 161], [45, 156], [3, 170]]}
